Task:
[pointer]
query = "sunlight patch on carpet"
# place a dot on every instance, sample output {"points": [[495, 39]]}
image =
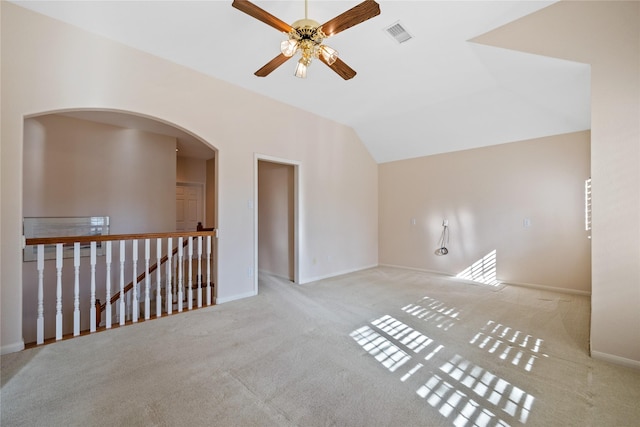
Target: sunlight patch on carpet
{"points": [[509, 344], [406, 335], [498, 392], [385, 352], [434, 311], [465, 393]]}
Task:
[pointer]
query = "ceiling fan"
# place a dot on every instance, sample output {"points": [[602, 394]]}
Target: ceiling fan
{"points": [[306, 36]]}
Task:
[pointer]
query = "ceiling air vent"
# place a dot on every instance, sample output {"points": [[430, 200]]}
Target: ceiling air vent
{"points": [[398, 32]]}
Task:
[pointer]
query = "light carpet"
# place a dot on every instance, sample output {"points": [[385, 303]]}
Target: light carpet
{"points": [[380, 347]]}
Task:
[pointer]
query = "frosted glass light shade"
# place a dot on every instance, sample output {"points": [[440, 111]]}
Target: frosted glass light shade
{"points": [[288, 47], [329, 54], [301, 70]]}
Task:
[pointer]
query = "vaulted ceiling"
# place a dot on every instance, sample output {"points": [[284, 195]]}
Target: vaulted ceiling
{"points": [[438, 92]]}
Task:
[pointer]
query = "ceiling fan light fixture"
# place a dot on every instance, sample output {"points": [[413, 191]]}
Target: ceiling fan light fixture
{"points": [[289, 47], [306, 36], [301, 69], [329, 54]]}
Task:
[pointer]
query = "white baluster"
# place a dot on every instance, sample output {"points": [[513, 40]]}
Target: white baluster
{"points": [[169, 292], [40, 321], [59, 291], [180, 273], [123, 310], [147, 279], [129, 305], [200, 278], [92, 311], [108, 285], [190, 266], [135, 304], [175, 269], [208, 270], [158, 278], [76, 289]]}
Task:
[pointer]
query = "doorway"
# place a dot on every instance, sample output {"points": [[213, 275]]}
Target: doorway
{"points": [[189, 206], [276, 217]]}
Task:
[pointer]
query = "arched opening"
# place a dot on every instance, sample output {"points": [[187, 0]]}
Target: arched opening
{"points": [[110, 164]]}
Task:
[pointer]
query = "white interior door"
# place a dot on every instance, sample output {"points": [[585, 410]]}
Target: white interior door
{"points": [[189, 206]]}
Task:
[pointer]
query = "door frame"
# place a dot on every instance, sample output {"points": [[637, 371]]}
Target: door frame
{"points": [[296, 214]]}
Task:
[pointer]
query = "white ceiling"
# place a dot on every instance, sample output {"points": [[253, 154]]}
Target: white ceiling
{"points": [[435, 93]]}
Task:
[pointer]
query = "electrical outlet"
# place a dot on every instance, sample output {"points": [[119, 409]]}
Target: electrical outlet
{"points": [[445, 222]]}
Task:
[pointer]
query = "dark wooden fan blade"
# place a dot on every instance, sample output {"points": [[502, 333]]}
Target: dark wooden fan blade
{"points": [[356, 15], [261, 15], [341, 68], [272, 65]]}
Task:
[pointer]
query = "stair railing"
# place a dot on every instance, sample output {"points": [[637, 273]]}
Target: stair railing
{"points": [[192, 247]]}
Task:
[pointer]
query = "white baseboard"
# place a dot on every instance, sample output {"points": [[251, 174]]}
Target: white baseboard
{"points": [[235, 297], [616, 360], [549, 288], [337, 273], [523, 285], [12, 348], [423, 270]]}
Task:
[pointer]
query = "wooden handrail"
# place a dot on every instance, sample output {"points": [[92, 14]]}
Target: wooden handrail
{"points": [[111, 237]]}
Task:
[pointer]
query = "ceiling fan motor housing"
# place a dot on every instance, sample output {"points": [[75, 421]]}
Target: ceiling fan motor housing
{"points": [[307, 29]]}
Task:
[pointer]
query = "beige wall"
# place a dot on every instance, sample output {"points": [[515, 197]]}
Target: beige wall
{"points": [[486, 194], [605, 34], [193, 171], [75, 167], [210, 202], [48, 66], [276, 219]]}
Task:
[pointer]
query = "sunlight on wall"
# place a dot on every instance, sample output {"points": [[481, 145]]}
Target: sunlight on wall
{"points": [[482, 271]]}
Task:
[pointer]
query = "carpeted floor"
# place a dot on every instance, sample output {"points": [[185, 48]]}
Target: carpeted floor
{"points": [[381, 347]]}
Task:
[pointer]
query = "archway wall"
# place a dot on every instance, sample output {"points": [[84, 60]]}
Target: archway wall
{"points": [[48, 66]]}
